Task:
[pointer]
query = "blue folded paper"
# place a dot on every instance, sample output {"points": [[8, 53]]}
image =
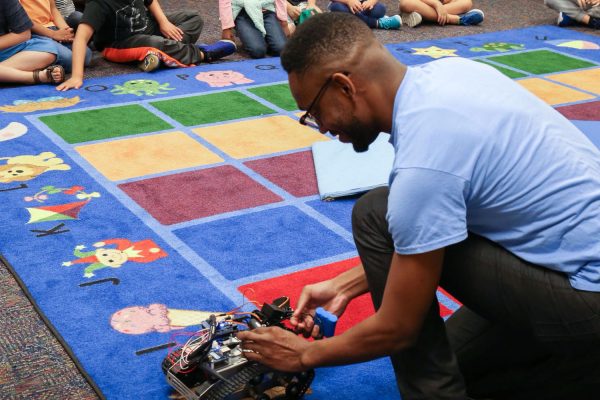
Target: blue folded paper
{"points": [[343, 172]]}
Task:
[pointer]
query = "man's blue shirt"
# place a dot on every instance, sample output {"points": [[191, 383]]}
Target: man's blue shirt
{"points": [[477, 152]]}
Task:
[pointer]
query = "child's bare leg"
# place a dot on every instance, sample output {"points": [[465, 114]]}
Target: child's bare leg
{"points": [[427, 12], [453, 8], [457, 7], [19, 68], [29, 60]]}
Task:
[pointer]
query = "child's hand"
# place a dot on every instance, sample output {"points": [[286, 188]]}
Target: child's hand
{"points": [[368, 5], [442, 18], [71, 83], [64, 35], [227, 34], [355, 6], [170, 31], [294, 12], [286, 28]]}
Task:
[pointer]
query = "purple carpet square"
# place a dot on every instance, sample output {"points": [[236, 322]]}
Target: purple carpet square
{"points": [[583, 111], [295, 173], [190, 195], [263, 241]]}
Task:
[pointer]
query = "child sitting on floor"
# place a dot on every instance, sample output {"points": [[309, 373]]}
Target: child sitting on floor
{"points": [[370, 11], [571, 12], [261, 25], [69, 13], [138, 30], [295, 8], [23, 58], [453, 12], [48, 22]]}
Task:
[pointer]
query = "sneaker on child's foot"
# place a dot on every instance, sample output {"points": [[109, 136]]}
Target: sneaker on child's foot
{"points": [[149, 63], [411, 19], [473, 17], [564, 20], [218, 50], [393, 22]]}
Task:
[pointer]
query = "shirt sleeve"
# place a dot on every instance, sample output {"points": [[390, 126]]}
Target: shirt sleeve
{"points": [[226, 14], [93, 15], [18, 20], [281, 10], [426, 210]]}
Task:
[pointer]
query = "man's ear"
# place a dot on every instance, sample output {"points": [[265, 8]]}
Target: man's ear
{"points": [[346, 84]]}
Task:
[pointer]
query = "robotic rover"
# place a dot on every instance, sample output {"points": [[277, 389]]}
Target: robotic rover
{"points": [[212, 366]]}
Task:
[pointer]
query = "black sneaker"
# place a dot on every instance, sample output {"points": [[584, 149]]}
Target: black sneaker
{"points": [[218, 50]]}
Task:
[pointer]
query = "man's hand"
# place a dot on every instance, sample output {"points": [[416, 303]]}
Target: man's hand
{"points": [[171, 31], [274, 347], [64, 35], [368, 5], [323, 294], [227, 34], [71, 83]]}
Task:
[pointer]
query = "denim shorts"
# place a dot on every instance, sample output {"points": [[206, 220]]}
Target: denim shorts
{"points": [[36, 43]]}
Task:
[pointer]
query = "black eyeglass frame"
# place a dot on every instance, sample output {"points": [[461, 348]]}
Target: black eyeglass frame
{"points": [[320, 93]]}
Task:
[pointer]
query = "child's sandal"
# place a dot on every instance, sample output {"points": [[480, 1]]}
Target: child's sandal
{"points": [[48, 71]]}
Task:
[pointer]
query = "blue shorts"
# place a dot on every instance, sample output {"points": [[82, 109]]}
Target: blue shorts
{"points": [[36, 43]]}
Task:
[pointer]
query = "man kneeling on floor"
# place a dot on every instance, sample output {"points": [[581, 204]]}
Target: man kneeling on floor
{"points": [[493, 195], [139, 30]]}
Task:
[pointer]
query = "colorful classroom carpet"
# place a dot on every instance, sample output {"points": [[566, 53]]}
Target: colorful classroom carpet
{"points": [[138, 200]]}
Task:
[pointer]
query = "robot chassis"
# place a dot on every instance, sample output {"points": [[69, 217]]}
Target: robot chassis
{"points": [[211, 365]]}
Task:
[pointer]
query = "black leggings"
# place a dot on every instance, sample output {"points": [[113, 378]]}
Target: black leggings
{"points": [[523, 332]]}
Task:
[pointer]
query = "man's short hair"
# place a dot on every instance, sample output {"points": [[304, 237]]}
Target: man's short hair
{"points": [[324, 37]]}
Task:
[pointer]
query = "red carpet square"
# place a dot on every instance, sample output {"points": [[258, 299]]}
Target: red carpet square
{"points": [[583, 111], [295, 172], [182, 197], [291, 285]]}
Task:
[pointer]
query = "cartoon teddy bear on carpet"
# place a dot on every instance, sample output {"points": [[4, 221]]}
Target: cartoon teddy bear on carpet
{"points": [[144, 251], [27, 167]]}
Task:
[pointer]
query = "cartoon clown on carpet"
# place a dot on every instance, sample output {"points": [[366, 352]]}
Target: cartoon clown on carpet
{"points": [[144, 251]]}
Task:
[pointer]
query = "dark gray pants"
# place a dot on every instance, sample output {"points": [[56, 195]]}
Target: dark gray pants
{"points": [[184, 51], [522, 333], [573, 10]]}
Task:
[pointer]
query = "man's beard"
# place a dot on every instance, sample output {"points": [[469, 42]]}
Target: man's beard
{"points": [[359, 137]]}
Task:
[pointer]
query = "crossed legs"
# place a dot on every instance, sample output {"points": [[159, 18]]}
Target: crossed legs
{"points": [[19, 68]]}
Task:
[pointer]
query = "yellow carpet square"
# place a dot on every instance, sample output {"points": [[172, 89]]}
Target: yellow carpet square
{"points": [[134, 157], [553, 93], [586, 80], [260, 136]]}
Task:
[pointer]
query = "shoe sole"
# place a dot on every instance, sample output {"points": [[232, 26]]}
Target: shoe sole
{"points": [[411, 19], [151, 65]]}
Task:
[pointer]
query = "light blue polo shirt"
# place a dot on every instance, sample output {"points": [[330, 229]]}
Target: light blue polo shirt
{"points": [[477, 152]]}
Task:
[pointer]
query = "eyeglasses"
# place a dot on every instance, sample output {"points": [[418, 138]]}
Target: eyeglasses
{"points": [[308, 114]]}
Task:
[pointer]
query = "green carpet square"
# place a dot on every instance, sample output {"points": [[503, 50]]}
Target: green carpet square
{"points": [[279, 95], [508, 72], [104, 123], [211, 108], [541, 62]]}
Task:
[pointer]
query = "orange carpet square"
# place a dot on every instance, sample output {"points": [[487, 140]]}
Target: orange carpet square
{"points": [[135, 157], [553, 93], [260, 136], [586, 80]]}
